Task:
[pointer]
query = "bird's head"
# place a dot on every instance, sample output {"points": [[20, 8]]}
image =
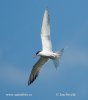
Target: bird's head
{"points": [[37, 54]]}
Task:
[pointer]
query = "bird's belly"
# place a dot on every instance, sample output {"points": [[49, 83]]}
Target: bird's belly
{"points": [[50, 55]]}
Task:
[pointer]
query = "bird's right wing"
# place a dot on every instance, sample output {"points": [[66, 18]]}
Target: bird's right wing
{"points": [[45, 33], [36, 69]]}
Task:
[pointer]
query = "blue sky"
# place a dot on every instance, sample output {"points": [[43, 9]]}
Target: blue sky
{"points": [[20, 28]]}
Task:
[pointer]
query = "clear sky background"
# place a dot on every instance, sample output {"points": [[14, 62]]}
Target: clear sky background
{"points": [[20, 28]]}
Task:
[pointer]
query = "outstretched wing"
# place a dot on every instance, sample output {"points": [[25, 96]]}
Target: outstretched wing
{"points": [[36, 69], [45, 33]]}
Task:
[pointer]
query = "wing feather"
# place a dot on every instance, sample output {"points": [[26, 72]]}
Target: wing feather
{"points": [[36, 69], [45, 32]]}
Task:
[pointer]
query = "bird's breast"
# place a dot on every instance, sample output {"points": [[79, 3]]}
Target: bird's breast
{"points": [[50, 55]]}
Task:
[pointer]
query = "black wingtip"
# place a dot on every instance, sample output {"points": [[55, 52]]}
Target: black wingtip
{"points": [[29, 83]]}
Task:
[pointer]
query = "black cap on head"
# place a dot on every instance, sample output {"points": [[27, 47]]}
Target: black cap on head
{"points": [[37, 52]]}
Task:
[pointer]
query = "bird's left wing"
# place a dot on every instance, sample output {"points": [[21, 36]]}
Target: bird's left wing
{"points": [[36, 69], [45, 32]]}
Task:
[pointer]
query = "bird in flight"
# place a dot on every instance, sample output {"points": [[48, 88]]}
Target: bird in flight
{"points": [[46, 52]]}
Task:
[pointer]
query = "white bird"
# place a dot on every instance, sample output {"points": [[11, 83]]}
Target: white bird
{"points": [[46, 52]]}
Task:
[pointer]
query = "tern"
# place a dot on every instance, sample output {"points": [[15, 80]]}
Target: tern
{"points": [[46, 52]]}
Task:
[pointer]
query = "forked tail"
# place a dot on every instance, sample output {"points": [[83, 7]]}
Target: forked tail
{"points": [[56, 61]]}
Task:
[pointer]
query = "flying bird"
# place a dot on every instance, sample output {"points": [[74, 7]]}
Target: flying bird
{"points": [[46, 52]]}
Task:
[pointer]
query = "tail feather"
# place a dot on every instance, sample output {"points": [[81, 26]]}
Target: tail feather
{"points": [[57, 61], [61, 52]]}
